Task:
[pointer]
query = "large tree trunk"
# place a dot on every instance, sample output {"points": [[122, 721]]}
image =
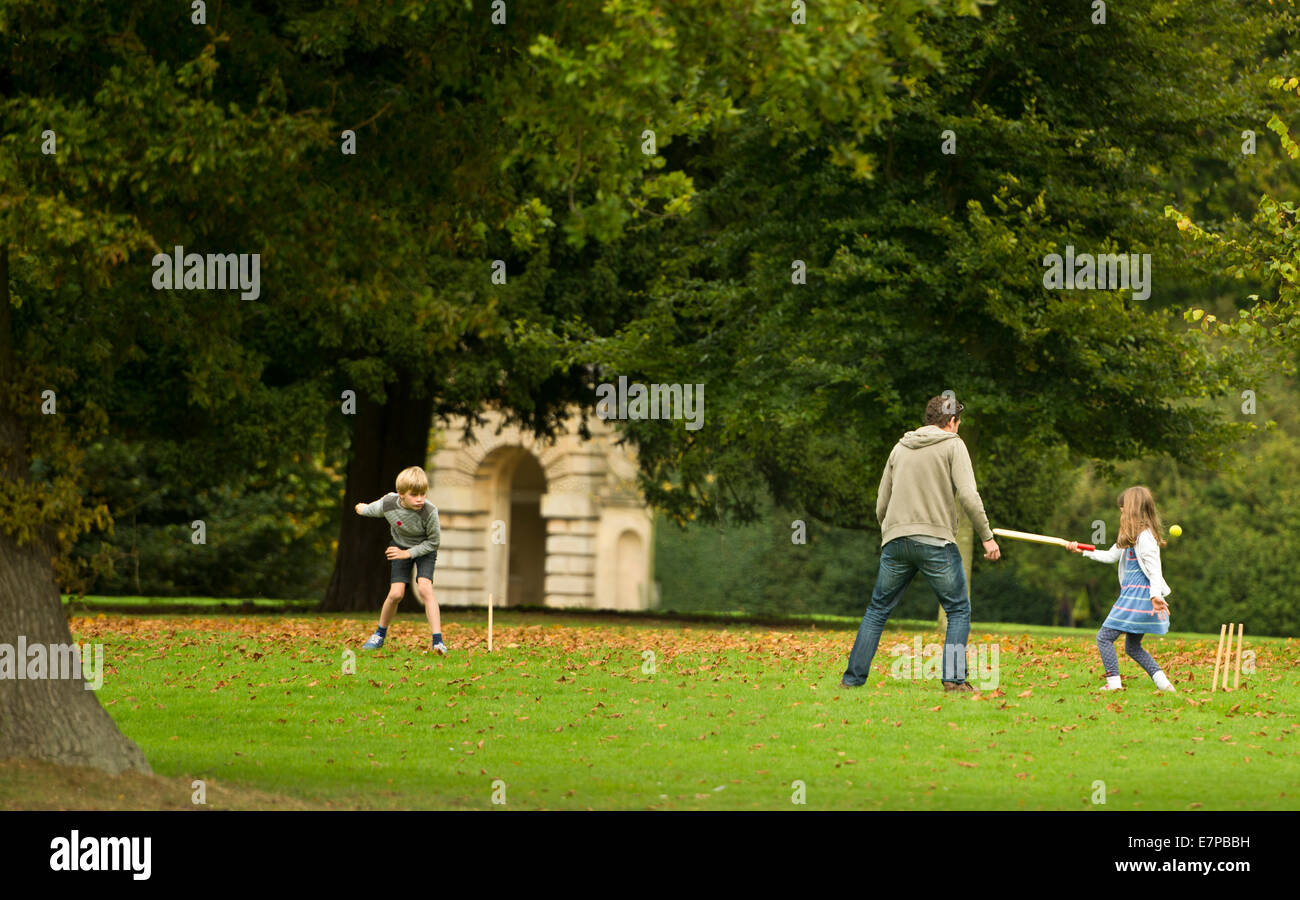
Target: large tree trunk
{"points": [[51, 719], [386, 440]]}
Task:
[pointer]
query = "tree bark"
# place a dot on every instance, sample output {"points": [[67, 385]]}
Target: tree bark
{"points": [[51, 719], [387, 439]]}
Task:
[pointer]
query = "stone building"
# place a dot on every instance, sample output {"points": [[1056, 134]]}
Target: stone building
{"points": [[540, 523]]}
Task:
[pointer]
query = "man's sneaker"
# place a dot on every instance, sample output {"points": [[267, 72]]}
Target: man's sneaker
{"points": [[440, 648], [957, 686], [376, 641]]}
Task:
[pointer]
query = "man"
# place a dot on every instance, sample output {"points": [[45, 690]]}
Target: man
{"points": [[928, 472]]}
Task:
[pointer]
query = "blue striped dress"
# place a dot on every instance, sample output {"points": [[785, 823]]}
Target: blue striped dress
{"points": [[1133, 612]]}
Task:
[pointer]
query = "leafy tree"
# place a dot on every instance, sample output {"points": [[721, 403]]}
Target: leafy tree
{"points": [[142, 160], [925, 271], [1264, 251], [270, 533], [225, 136]]}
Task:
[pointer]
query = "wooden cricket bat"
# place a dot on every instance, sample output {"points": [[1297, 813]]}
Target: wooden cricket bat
{"points": [[1037, 538]]}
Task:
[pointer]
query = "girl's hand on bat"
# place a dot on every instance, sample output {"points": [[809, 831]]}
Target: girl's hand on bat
{"points": [[1073, 547], [1160, 607]]}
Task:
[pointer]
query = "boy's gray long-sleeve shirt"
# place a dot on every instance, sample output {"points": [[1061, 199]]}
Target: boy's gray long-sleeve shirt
{"points": [[416, 530]]}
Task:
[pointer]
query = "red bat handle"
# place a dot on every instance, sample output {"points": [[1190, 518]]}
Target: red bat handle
{"points": [[1087, 547]]}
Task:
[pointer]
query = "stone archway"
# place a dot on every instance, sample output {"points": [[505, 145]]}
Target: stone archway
{"points": [[629, 589], [526, 535], [556, 523], [493, 527]]}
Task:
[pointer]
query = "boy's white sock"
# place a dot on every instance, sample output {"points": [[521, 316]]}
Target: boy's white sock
{"points": [[1162, 681], [1112, 683]]}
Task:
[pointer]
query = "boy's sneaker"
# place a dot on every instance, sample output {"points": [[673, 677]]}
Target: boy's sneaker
{"points": [[440, 648], [376, 641]]}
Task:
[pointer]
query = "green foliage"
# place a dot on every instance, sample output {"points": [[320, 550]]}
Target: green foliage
{"points": [[929, 276], [375, 266], [1266, 251], [757, 569], [269, 534], [1232, 562], [774, 143]]}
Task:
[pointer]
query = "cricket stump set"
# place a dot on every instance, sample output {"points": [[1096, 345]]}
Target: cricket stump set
{"points": [[1227, 660]]}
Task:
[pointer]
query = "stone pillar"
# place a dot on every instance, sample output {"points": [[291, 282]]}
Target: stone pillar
{"points": [[460, 578], [571, 523]]}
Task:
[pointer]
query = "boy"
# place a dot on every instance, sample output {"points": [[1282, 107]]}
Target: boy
{"points": [[413, 525]]}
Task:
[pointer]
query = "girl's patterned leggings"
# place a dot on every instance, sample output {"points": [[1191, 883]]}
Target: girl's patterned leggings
{"points": [[1106, 639]]}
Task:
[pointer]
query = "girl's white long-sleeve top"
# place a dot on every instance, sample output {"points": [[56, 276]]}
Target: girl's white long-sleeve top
{"points": [[1148, 559]]}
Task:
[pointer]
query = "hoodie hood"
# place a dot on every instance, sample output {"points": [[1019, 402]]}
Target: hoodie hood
{"points": [[925, 436]]}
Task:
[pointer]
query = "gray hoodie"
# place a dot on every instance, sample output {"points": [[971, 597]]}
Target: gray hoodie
{"points": [[928, 472]]}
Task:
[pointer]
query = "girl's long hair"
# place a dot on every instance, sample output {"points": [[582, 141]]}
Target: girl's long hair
{"points": [[1137, 513]]}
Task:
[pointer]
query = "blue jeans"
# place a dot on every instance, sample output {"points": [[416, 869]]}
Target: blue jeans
{"points": [[900, 560]]}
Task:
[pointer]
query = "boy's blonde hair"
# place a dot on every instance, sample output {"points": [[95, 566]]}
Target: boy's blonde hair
{"points": [[1137, 513], [412, 481]]}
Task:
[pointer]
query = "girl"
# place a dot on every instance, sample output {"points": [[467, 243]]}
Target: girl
{"points": [[1141, 607]]}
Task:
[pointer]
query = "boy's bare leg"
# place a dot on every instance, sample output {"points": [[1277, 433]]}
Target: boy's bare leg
{"points": [[425, 587], [391, 602]]}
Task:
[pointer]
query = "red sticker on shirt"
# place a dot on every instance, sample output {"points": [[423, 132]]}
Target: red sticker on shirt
{"points": [[399, 521]]}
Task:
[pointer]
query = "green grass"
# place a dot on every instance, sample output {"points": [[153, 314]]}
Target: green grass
{"points": [[165, 605], [563, 713], [213, 604]]}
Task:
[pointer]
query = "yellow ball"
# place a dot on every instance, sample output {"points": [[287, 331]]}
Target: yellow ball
{"points": [[1175, 530]]}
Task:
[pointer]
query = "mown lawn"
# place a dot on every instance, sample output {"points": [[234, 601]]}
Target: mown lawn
{"points": [[567, 713]]}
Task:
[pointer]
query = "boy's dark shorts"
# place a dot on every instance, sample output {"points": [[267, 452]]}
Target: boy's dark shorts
{"points": [[401, 568]]}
